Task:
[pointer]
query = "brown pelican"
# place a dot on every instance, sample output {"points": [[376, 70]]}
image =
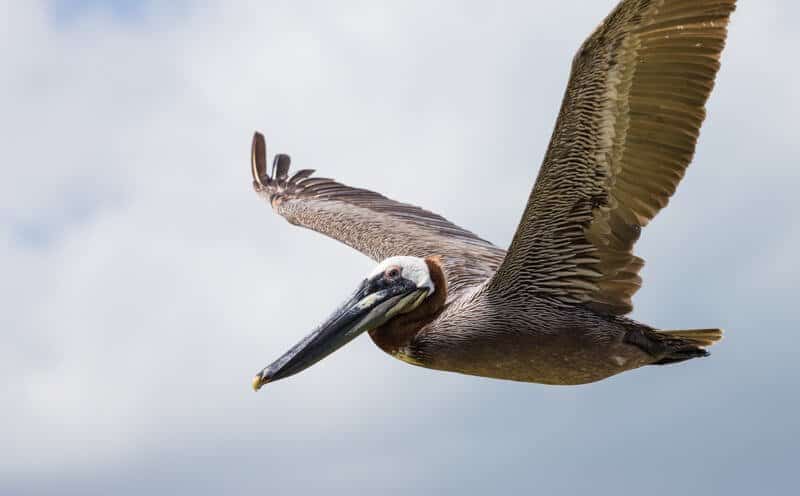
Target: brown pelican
{"points": [[552, 308]]}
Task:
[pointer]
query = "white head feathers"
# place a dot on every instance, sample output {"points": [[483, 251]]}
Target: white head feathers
{"points": [[412, 268]]}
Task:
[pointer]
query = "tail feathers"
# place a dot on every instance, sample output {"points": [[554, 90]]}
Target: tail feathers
{"points": [[686, 344], [697, 337]]}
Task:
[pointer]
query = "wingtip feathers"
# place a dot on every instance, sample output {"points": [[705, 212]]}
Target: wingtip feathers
{"points": [[258, 159], [280, 167], [280, 164]]}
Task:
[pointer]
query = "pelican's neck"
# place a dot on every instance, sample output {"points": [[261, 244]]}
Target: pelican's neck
{"points": [[398, 332]]}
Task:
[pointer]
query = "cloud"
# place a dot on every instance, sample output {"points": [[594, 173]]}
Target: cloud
{"points": [[144, 283]]}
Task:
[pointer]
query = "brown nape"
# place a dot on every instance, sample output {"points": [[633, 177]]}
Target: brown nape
{"points": [[399, 331]]}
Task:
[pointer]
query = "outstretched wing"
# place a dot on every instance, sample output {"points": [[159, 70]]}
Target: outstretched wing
{"points": [[370, 222], [625, 134]]}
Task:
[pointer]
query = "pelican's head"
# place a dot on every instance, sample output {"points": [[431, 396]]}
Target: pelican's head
{"points": [[396, 286]]}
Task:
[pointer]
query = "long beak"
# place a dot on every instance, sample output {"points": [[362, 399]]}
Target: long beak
{"points": [[366, 309]]}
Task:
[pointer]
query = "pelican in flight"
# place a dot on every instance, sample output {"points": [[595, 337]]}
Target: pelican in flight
{"points": [[551, 309]]}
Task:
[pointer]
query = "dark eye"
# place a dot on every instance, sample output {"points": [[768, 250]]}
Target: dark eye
{"points": [[393, 273]]}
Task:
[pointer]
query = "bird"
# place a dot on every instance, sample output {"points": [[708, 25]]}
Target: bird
{"points": [[552, 308]]}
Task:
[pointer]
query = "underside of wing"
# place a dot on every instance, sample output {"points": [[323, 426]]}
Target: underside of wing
{"points": [[625, 135], [370, 222]]}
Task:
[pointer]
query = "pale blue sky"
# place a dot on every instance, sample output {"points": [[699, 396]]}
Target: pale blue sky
{"points": [[144, 283], [70, 10]]}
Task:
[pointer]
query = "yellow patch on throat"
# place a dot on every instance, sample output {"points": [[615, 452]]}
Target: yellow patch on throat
{"points": [[404, 353], [407, 304]]}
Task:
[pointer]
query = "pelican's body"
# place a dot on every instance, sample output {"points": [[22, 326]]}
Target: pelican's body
{"points": [[532, 342], [550, 309]]}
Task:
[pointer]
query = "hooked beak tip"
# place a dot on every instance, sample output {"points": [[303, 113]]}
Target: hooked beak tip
{"points": [[259, 381]]}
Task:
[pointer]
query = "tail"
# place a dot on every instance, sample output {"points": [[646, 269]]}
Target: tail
{"points": [[697, 337], [686, 344]]}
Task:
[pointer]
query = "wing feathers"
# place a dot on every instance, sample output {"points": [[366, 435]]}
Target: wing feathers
{"points": [[280, 167], [625, 134], [371, 223], [258, 159]]}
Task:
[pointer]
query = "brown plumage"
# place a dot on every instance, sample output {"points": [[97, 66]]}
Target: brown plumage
{"points": [[552, 308]]}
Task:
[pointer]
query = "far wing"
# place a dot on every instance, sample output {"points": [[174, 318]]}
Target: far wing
{"points": [[370, 222]]}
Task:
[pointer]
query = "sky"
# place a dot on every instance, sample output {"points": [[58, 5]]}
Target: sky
{"points": [[144, 283]]}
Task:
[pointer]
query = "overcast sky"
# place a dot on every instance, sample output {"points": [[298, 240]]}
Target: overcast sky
{"points": [[143, 282]]}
